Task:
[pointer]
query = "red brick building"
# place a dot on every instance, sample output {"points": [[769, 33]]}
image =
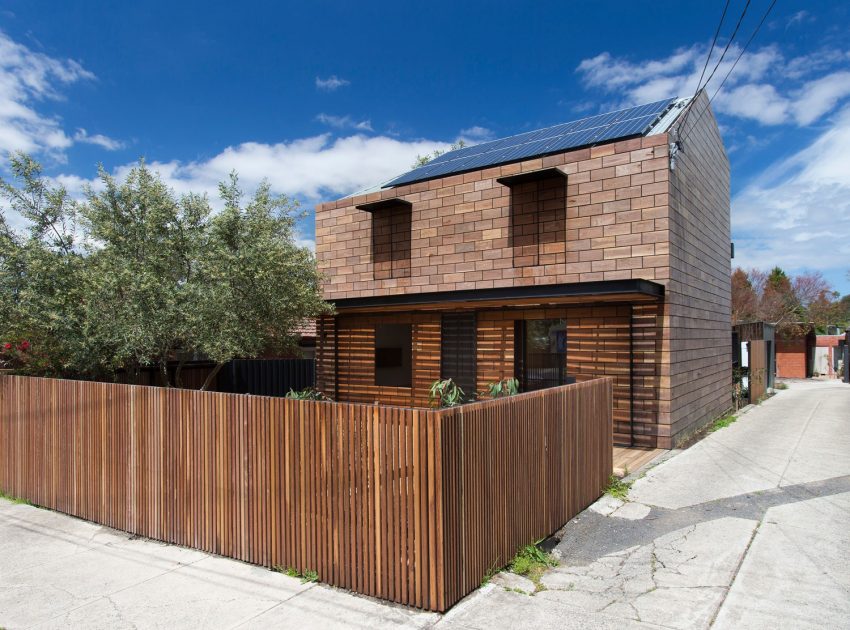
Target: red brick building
{"points": [[604, 250], [795, 356]]}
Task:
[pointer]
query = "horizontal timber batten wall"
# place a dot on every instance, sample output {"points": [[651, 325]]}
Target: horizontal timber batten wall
{"points": [[620, 341], [414, 506]]}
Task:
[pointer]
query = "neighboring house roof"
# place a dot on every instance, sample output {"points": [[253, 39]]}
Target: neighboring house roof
{"points": [[643, 120], [306, 329]]}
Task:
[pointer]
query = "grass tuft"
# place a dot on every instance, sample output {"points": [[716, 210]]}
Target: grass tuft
{"points": [[781, 386], [17, 500], [307, 576], [722, 423]]}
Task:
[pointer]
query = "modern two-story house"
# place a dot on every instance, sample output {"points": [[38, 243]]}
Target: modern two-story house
{"points": [[599, 247]]}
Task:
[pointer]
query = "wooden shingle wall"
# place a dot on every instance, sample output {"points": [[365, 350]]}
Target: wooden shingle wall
{"points": [[698, 296]]}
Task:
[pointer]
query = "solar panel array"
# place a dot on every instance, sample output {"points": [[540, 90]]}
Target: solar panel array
{"points": [[634, 121]]}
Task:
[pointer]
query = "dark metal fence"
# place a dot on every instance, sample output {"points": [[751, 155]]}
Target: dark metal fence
{"points": [[266, 377]]}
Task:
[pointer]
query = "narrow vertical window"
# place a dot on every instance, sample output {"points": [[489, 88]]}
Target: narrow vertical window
{"points": [[541, 346], [457, 350], [393, 355]]}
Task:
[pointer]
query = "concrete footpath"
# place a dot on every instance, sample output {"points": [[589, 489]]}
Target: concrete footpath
{"points": [[749, 528]]}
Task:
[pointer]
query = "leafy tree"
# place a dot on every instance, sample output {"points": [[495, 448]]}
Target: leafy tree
{"points": [[143, 244], [843, 315], [744, 298], [42, 275], [792, 304], [254, 285], [422, 160], [150, 277]]}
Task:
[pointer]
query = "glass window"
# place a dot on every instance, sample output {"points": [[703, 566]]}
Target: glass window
{"points": [[545, 354], [393, 350]]}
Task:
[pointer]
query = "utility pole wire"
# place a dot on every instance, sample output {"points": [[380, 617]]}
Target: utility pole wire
{"points": [[729, 43], [743, 50], [707, 59]]}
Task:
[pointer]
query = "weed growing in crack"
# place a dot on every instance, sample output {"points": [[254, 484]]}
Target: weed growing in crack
{"points": [[532, 562], [493, 570], [618, 488]]}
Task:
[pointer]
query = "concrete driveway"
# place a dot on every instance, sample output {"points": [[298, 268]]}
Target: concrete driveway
{"points": [[749, 528]]}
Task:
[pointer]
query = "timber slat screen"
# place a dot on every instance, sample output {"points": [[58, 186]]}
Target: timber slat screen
{"points": [[410, 505]]}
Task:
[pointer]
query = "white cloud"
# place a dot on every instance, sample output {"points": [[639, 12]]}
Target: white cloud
{"points": [[797, 214], [756, 101], [332, 83], [799, 18], [344, 122], [28, 77], [820, 96], [309, 169], [309, 243], [475, 134], [105, 142], [764, 86]]}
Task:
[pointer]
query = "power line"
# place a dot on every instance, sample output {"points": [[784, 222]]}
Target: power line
{"points": [[729, 43], [707, 59], [743, 50]]}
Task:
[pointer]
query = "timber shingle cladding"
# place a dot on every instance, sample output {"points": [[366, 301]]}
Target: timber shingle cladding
{"points": [[627, 216]]}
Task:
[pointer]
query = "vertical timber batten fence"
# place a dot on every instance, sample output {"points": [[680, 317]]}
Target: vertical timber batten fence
{"points": [[410, 505]]}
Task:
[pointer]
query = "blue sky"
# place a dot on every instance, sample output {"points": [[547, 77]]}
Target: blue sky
{"points": [[325, 98]]}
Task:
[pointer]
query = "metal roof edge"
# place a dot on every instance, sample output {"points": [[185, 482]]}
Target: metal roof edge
{"points": [[599, 288], [666, 121]]}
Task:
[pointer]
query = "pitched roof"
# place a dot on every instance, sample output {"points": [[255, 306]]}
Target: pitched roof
{"points": [[631, 122]]}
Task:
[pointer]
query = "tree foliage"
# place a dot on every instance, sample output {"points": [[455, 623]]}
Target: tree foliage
{"points": [[41, 273], [422, 160], [133, 275], [793, 304]]}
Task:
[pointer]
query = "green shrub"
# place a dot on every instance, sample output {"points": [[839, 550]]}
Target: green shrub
{"points": [[505, 387], [445, 393], [309, 393]]}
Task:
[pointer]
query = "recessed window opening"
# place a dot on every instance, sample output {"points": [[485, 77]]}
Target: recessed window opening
{"points": [[391, 242], [538, 209]]}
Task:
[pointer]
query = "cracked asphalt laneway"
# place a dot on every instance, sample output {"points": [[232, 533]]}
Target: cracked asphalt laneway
{"points": [[749, 528]]}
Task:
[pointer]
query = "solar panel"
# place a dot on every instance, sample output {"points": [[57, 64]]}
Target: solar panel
{"points": [[571, 135]]}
